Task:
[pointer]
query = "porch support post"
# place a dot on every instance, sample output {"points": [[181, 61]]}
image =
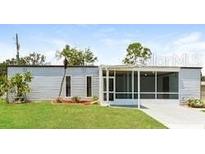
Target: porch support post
{"points": [[107, 87], [100, 86], [132, 84], [138, 101], [155, 85]]}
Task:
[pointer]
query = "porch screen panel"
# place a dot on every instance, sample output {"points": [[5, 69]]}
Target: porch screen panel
{"points": [[135, 85], [167, 85], [123, 84], [147, 85]]}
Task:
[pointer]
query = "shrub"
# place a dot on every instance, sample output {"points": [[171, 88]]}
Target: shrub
{"points": [[19, 86], [95, 98], [76, 99], [4, 85], [58, 100], [195, 103]]}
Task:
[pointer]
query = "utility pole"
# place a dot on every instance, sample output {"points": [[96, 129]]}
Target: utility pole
{"points": [[17, 48]]}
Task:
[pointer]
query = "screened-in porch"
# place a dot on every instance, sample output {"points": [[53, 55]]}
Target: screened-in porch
{"points": [[129, 86]]}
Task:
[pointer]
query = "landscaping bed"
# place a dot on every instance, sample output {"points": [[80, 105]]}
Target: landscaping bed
{"points": [[195, 103], [76, 100]]}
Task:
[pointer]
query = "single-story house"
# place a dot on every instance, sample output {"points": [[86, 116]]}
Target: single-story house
{"points": [[114, 84]]}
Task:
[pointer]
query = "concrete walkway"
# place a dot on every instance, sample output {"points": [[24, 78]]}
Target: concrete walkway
{"points": [[176, 116]]}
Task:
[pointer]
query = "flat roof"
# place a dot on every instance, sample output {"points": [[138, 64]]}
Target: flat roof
{"points": [[50, 66], [109, 66], [134, 66]]}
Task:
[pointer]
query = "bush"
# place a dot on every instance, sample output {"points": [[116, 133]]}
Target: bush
{"points": [[76, 99], [4, 85], [195, 103], [19, 85], [95, 98]]}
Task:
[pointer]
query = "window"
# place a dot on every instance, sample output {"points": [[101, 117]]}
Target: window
{"points": [[89, 86], [68, 86]]}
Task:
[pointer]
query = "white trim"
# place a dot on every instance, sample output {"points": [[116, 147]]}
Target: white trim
{"points": [[107, 86], [138, 80], [133, 84], [179, 86], [156, 85], [114, 85], [141, 68], [101, 86]]}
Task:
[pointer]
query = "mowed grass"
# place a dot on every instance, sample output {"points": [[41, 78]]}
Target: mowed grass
{"points": [[47, 115]]}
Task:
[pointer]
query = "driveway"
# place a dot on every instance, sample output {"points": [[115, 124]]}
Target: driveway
{"points": [[175, 116]]}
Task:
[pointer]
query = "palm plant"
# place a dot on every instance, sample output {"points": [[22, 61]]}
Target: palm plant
{"points": [[64, 74]]}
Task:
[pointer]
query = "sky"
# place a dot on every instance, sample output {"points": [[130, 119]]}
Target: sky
{"points": [[170, 44]]}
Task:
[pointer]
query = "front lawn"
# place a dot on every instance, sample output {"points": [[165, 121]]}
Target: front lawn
{"points": [[47, 115]]}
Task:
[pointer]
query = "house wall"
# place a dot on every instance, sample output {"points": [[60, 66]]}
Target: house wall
{"points": [[190, 83], [46, 81]]}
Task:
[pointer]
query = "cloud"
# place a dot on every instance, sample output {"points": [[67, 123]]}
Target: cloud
{"points": [[189, 38], [188, 49]]}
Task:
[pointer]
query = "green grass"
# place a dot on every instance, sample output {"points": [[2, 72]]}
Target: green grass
{"points": [[47, 115]]}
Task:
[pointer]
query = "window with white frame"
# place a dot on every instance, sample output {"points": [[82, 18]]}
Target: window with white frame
{"points": [[89, 86], [68, 86]]}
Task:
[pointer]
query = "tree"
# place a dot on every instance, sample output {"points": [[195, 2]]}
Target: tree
{"points": [[32, 59], [65, 67], [77, 56], [137, 54], [72, 57]]}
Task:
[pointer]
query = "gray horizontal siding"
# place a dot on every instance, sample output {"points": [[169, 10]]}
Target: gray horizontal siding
{"points": [[46, 81], [54, 71], [190, 82], [95, 84]]}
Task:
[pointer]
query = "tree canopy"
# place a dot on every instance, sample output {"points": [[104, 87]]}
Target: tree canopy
{"points": [[76, 56], [32, 59], [137, 54]]}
